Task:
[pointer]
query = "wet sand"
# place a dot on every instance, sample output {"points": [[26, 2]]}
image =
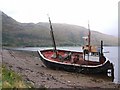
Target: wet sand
{"points": [[30, 67]]}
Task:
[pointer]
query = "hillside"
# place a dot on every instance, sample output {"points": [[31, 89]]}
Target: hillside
{"points": [[29, 34]]}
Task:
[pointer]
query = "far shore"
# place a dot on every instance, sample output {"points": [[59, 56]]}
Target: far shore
{"points": [[6, 47]]}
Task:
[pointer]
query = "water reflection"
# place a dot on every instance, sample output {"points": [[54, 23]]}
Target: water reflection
{"points": [[113, 57], [118, 66]]}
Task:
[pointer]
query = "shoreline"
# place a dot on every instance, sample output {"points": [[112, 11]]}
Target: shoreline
{"points": [[28, 65]]}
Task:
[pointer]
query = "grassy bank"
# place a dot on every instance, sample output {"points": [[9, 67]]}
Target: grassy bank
{"points": [[10, 79], [0, 77]]}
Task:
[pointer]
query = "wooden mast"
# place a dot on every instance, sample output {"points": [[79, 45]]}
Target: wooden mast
{"points": [[89, 34], [53, 39], [89, 37]]}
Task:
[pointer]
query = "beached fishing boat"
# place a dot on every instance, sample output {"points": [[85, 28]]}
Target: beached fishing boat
{"points": [[74, 61]]}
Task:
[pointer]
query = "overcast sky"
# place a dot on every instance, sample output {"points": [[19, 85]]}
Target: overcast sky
{"points": [[102, 14]]}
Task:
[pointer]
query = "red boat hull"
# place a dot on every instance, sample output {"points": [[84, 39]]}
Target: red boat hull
{"points": [[82, 66]]}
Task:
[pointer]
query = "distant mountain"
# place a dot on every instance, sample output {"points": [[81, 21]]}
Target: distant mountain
{"points": [[29, 34]]}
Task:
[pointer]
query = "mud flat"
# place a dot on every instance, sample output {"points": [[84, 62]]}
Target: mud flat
{"points": [[29, 66]]}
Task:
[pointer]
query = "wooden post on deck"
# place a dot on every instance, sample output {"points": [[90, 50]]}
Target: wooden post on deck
{"points": [[101, 47]]}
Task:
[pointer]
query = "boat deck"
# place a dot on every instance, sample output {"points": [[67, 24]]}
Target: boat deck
{"points": [[71, 57]]}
